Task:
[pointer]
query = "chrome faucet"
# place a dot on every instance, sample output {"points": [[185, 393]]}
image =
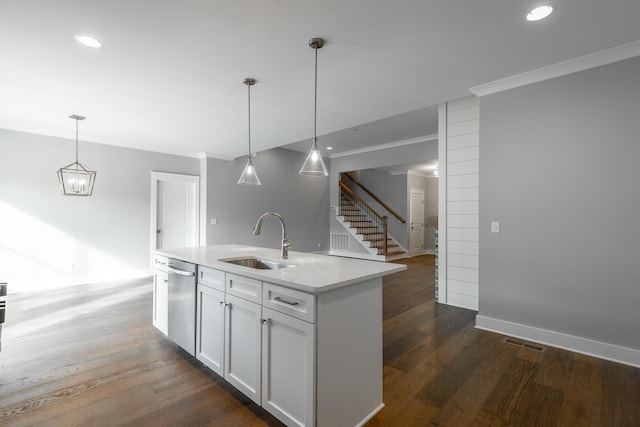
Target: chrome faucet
{"points": [[286, 244]]}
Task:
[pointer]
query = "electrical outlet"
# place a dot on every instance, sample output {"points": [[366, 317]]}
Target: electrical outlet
{"points": [[214, 221]]}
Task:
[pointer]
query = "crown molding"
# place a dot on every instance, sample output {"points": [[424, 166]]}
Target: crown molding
{"points": [[581, 63], [433, 137]]}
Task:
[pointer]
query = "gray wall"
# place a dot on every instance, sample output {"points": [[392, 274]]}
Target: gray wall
{"points": [[559, 169], [302, 201], [47, 239]]}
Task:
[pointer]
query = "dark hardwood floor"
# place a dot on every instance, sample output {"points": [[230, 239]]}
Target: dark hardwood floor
{"points": [[88, 356]]}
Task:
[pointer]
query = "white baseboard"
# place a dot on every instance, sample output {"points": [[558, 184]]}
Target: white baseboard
{"points": [[602, 350], [371, 415]]}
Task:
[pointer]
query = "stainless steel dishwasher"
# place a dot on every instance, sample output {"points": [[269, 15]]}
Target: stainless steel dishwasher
{"points": [[182, 304]]}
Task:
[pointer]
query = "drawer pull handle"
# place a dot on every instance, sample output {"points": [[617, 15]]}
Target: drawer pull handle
{"points": [[285, 301]]}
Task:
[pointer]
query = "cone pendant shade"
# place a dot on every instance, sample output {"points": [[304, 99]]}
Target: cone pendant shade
{"points": [[249, 175], [314, 165]]}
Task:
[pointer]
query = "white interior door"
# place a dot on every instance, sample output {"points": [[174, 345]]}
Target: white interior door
{"points": [[175, 210], [416, 222]]}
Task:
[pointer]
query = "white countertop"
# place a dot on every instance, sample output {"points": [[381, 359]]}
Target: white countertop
{"points": [[313, 272]]}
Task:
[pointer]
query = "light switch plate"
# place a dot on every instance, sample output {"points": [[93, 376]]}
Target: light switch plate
{"points": [[214, 221], [495, 226]]}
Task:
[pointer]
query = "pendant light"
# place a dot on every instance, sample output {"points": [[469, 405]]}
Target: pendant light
{"points": [[75, 178], [249, 175], [314, 165]]}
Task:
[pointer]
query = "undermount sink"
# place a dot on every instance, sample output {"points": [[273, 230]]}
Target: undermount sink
{"points": [[257, 263]]}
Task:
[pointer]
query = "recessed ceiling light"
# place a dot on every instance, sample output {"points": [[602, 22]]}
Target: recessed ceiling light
{"points": [[329, 148], [88, 41], [539, 13]]}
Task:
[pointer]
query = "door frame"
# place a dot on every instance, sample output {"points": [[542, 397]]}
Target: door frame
{"points": [[156, 177]]}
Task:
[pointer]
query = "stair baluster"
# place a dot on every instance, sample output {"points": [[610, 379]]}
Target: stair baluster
{"points": [[364, 219]]}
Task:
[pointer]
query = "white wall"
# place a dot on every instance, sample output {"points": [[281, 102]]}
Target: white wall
{"points": [[49, 240], [559, 170], [459, 231]]}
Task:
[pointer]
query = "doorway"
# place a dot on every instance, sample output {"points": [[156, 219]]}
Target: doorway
{"points": [[416, 222], [175, 207]]}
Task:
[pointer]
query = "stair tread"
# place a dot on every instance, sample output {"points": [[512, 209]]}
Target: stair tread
{"points": [[370, 231]]}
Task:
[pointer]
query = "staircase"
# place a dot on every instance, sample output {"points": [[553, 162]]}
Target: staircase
{"points": [[370, 230]]}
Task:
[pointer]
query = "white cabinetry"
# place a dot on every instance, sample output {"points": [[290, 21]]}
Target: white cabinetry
{"points": [[288, 368], [243, 335], [308, 359], [243, 341], [160, 293], [210, 318]]}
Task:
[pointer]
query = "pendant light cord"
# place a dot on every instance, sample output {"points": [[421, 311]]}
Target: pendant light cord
{"points": [[76, 140], [249, 109], [315, 96]]}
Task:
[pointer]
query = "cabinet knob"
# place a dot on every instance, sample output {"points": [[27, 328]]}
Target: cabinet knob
{"points": [[263, 321]]}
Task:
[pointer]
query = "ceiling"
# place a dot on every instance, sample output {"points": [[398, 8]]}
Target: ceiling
{"points": [[169, 76]]}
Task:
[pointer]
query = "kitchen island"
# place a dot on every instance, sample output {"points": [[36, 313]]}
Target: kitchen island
{"points": [[302, 337]]}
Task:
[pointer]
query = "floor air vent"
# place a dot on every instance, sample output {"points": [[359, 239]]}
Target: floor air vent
{"points": [[515, 342]]}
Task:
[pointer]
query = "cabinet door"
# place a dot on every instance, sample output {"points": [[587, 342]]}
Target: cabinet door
{"points": [[242, 345], [288, 368], [160, 300], [210, 328]]}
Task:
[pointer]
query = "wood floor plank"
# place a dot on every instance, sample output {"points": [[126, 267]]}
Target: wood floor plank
{"points": [[441, 388], [468, 398], [620, 405], [581, 395], [509, 393], [539, 405], [556, 370]]}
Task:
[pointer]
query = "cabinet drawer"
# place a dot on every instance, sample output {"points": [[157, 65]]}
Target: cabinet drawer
{"points": [[160, 262], [211, 277], [243, 287], [289, 301]]}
